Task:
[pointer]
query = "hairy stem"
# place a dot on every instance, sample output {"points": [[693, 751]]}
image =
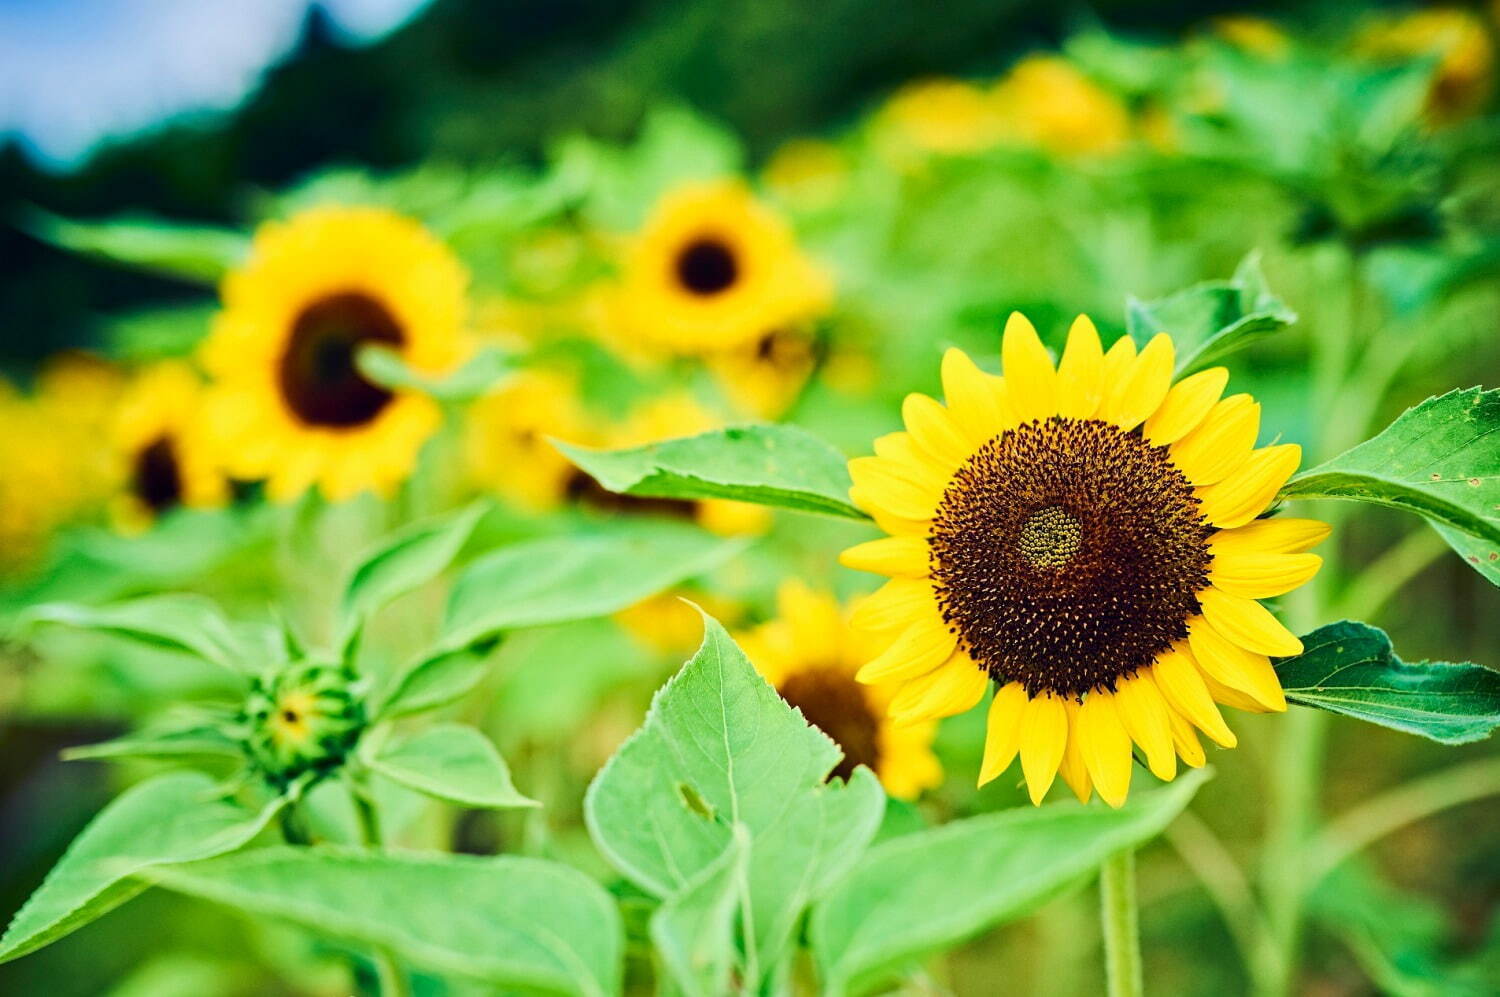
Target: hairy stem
{"points": [[1122, 941]]}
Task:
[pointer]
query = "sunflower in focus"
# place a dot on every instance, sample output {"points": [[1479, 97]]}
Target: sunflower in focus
{"points": [[508, 433], [810, 656], [291, 403], [714, 269], [168, 458], [1458, 41], [1086, 538], [1045, 101]]}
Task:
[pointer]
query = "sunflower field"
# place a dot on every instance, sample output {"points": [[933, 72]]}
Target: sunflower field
{"points": [[711, 500]]}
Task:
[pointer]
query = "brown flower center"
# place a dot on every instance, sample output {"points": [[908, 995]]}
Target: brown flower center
{"points": [[318, 376], [156, 478], [833, 702], [1067, 554], [706, 266]]}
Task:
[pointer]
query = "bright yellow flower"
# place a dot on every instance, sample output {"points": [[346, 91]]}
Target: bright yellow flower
{"points": [[291, 404], [168, 458], [807, 173], [939, 115], [1457, 39], [810, 656], [1085, 537], [508, 433], [715, 269], [1045, 101], [764, 378]]}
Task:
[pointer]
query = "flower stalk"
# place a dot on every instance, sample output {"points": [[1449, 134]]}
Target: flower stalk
{"points": [[1121, 924]]}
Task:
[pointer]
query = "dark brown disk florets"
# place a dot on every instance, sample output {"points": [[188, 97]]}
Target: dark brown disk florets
{"points": [[1067, 554], [834, 703]]}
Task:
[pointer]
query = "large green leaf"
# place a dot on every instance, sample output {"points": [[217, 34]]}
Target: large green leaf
{"points": [[1440, 460], [720, 748], [452, 762], [1478, 553], [1350, 668], [518, 923], [769, 465], [190, 252], [693, 930], [928, 890], [1211, 320], [551, 580], [188, 623], [176, 817], [406, 561]]}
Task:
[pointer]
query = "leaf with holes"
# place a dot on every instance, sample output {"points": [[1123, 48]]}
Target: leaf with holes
{"points": [[719, 748], [1351, 668]]}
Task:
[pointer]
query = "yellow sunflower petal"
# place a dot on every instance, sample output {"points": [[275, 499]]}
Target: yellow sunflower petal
{"points": [[976, 400], [1143, 389], [1251, 487], [894, 525], [1261, 576], [919, 649], [1143, 711], [1247, 623], [1118, 361], [894, 606], [1221, 443], [953, 688], [1233, 697], [903, 556], [1002, 731], [1080, 374], [897, 488], [1105, 746], [1073, 768], [1277, 535], [1030, 380], [1044, 735], [902, 448], [1230, 664], [1186, 406], [1185, 690], [1186, 742], [935, 431]]}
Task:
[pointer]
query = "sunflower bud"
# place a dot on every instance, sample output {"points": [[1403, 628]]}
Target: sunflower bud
{"points": [[305, 718]]}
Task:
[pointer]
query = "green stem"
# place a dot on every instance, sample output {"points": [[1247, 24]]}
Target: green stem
{"points": [[389, 976], [1398, 564], [1122, 937]]}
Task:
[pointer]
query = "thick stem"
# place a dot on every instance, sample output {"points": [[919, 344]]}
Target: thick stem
{"points": [[1122, 937]]}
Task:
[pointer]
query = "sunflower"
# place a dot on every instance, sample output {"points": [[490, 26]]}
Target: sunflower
{"points": [[508, 438], [1045, 101], [1456, 40], [168, 459], [291, 403], [1086, 538], [715, 269], [811, 657], [944, 116], [764, 378]]}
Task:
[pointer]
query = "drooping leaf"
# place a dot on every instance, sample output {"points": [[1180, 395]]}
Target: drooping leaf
{"points": [[200, 739], [406, 561], [927, 890], [176, 817], [720, 748], [693, 930], [518, 923], [452, 762], [191, 252], [1480, 554], [479, 374], [1209, 321], [1350, 668], [550, 580], [183, 622], [773, 465], [1440, 460]]}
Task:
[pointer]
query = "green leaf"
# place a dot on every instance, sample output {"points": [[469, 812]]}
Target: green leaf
{"points": [[928, 890], [202, 739], [191, 252], [406, 561], [774, 465], [1481, 555], [452, 762], [176, 817], [476, 376], [188, 623], [1440, 460], [719, 748], [1350, 668], [693, 930], [1211, 320], [551, 580], [509, 922]]}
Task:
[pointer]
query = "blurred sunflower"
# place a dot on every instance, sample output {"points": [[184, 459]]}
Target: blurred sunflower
{"points": [[1085, 537], [807, 173], [938, 115], [1458, 41], [810, 656], [507, 438], [1047, 102], [1257, 35], [764, 378], [714, 269], [292, 405], [168, 457]]}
